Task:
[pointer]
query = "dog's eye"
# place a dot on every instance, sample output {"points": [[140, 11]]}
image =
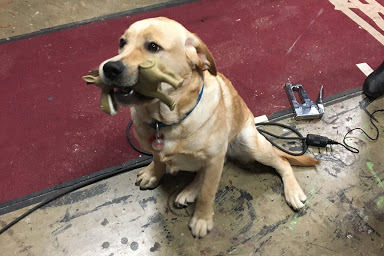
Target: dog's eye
{"points": [[152, 47], [122, 42]]}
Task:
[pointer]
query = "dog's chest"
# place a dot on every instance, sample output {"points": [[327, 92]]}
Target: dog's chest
{"points": [[178, 157], [181, 162], [187, 153]]}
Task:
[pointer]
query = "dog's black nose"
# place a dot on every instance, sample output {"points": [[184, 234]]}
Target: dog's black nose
{"points": [[112, 69]]}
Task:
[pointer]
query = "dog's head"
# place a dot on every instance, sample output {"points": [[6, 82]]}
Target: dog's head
{"points": [[182, 51]]}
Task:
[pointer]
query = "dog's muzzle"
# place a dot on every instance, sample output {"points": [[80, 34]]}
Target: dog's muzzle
{"points": [[113, 72], [113, 69]]}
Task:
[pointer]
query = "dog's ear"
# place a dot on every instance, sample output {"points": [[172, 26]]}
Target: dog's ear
{"points": [[199, 55]]}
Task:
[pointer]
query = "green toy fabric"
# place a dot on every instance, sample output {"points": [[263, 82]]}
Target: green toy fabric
{"points": [[152, 73], [107, 101]]}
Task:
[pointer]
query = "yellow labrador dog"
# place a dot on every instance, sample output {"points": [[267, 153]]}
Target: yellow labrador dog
{"points": [[210, 119]]}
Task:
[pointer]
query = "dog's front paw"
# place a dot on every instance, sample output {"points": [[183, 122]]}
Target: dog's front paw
{"points": [[294, 195], [200, 227], [148, 178], [187, 196]]}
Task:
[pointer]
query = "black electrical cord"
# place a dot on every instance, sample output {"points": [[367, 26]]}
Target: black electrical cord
{"points": [[73, 188], [317, 140], [371, 118], [310, 140], [131, 142], [299, 137]]}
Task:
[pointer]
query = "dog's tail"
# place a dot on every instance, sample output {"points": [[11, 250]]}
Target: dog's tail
{"points": [[298, 160]]}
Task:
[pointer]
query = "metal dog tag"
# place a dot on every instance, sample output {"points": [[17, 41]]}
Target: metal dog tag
{"points": [[158, 142]]}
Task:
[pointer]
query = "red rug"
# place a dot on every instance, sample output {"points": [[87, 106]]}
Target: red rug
{"points": [[52, 129]]}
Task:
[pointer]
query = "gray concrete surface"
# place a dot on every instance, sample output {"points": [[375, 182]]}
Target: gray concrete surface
{"points": [[21, 17], [344, 213]]}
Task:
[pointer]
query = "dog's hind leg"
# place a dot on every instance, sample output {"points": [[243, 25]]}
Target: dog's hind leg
{"points": [[251, 145], [150, 176]]}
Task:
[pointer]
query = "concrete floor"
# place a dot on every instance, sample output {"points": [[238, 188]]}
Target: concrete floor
{"points": [[22, 17], [344, 213]]}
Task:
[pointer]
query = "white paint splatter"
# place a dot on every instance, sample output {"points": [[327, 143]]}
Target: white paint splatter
{"points": [[310, 24]]}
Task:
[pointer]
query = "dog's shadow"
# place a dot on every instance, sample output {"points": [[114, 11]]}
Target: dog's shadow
{"points": [[243, 191], [171, 185]]}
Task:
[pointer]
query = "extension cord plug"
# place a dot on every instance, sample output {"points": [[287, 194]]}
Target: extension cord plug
{"points": [[318, 141]]}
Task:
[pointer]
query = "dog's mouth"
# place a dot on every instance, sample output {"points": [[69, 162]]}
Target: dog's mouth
{"points": [[125, 95], [128, 96]]}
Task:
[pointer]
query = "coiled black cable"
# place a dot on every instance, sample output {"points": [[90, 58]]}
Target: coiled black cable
{"points": [[131, 142], [371, 118], [309, 140], [299, 137]]}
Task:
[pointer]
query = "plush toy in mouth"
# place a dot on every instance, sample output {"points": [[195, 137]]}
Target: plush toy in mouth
{"points": [[107, 101], [152, 73]]}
